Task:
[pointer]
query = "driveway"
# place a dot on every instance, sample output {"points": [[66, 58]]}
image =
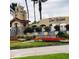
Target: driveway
{"points": [[39, 51]]}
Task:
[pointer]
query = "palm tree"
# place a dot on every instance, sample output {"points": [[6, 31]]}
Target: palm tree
{"points": [[12, 8], [34, 1], [67, 27], [40, 7], [27, 8]]}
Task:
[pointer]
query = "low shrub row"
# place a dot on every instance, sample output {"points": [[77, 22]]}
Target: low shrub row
{"points": [[36, 36], [63, 35]]}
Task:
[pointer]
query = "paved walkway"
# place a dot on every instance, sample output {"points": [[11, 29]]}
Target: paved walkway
{"points": [[39, 51]]}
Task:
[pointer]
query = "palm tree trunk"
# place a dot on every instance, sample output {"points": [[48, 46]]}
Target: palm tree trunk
{"points": [[34, 11], [40, 9], [16, 29], [27, 8]]}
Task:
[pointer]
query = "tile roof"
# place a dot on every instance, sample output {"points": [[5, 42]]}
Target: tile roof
{"points": [[24, 22]]}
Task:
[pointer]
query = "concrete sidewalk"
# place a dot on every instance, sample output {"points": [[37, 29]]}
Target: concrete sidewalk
{"points": [[39, 51]]}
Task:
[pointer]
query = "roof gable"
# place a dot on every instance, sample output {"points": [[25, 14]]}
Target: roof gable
{"points": [[24, 22]]}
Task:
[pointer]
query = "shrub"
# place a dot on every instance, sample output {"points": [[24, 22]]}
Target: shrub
{"points": [[28, 29], [63, 35], [66, 35], [38, 29], [21, 38], [25, 37], [47, 29], [57, 28], [28, 37]]}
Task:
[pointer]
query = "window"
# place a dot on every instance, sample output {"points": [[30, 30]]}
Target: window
{"points": [[51, 20], [60, 19]]}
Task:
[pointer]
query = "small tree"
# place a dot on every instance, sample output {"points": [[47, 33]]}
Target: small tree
{"points": [[38, 29], [67, 27], [34, 27], [47, 29], [57, 28], [28, 30]]}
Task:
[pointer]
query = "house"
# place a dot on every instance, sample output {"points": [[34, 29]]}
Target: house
{"points": [[54, 20], [19, 21], [61, 21]]}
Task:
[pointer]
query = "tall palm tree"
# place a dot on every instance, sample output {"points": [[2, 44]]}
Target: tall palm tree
{"points": [[34, 2], [40, 7], [12, 8], [27, 8]]}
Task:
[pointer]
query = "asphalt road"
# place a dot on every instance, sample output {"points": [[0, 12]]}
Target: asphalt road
{"points": [[39, 51]]}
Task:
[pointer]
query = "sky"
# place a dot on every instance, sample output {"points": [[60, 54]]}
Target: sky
{"points": [[50, 8]]}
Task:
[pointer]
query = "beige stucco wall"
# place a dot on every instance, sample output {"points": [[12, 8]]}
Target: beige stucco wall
{"points": [[47, 21]]}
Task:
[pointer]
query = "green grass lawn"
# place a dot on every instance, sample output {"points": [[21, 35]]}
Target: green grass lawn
{"points": [[50, 56], [25, 44]]}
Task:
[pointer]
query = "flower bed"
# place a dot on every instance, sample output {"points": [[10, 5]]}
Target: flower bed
{"points": [[52, 39], [48, 39]]}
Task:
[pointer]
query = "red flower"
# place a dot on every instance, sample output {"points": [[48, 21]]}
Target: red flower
{"points": [[50, 39]]}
